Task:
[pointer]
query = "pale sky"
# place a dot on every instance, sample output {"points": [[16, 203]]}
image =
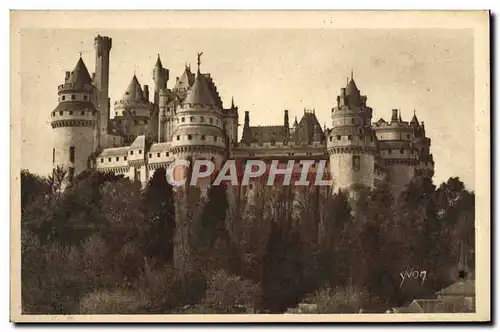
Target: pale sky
{"points": [[267, 71]]}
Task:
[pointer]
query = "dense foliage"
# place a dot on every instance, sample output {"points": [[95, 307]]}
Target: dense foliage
{"points": [[106, 245]]}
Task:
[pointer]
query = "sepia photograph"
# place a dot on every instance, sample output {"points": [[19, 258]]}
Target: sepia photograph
{"points": [[246, 166]]}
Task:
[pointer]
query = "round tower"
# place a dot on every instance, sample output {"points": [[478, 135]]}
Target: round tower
{"points": [[74, 123], [351, 143], [399, 146], [132, 113], [198, 131]]}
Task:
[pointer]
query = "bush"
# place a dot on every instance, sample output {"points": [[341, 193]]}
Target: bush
{"points": [[111, 302], [338, 300], [229, 294]]}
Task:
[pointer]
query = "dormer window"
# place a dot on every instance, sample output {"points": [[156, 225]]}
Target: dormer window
{"points": [[117, 158], [202, 119], [178, 138], [140, 151], [63, 98], [339, 137], [202, 137], [349, 137], [189, 137], [73, 97], [85, 97], [191, 119], [131, 153]]}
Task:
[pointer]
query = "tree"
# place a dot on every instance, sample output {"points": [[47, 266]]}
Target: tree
{"points": [[229, 294], [160, 214], [33, 188], [57, 178]]}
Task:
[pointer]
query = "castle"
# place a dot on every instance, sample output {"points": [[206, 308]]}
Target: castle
{"points": [[188, 121]]}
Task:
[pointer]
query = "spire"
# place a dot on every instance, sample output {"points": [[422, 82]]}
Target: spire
{"points": [[400, 120], [200, 93], [414, 120], [295, 123], [134, 91], [158, 62], [352, 74], [232, 102], [247, 118], [351, 88], [80, 75]]}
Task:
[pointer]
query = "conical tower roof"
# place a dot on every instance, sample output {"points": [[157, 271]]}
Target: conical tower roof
{"points": [[158, 62], [414, 120], [80, 75], [351, 88], [200, 93], [134, 91], [186, 80]]}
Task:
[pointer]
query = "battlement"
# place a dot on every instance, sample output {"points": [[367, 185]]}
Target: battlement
{"points": [[79, 117], [189, 106], [103, 44], [280, 145], [138, 103], [66, 87]]}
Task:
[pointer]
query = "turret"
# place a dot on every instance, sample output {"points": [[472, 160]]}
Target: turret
{"points": [[133, 112], [350, 144], [394, 117], [286, 125], [102, 47], [160, 77], [73, 122], [247, 137], [199, 130]]}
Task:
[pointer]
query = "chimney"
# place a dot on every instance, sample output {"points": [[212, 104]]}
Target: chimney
{"points": [[146, 92], [66, 76], [394, 117]]}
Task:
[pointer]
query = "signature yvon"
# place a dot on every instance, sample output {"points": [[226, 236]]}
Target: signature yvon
{"points": [[412, 274]]}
